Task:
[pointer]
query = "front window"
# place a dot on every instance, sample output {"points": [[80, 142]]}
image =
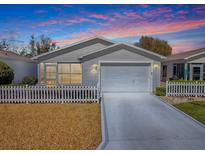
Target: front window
{"points": [[69, 73], [64, 73], [61, 73], [196, 73], [51, 71], [42, 72]]}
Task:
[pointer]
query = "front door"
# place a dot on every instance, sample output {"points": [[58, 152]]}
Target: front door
{"points": [[196, 72]]}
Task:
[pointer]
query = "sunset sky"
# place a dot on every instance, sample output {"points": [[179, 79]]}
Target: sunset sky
{"points": [[183, 26]]}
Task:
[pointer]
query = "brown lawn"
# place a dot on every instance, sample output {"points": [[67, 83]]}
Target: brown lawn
{"points": [[50, 126]]}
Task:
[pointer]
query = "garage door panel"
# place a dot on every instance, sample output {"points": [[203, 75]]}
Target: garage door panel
{"points": [[125, 78]]}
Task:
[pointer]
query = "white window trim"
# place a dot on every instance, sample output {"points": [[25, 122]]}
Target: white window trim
{"points": [[57, 72], [191, 70]]}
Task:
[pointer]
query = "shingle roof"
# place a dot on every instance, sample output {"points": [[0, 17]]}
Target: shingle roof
{"points": [[185, 55], [12, 55], [129, 47], [76, 45]]}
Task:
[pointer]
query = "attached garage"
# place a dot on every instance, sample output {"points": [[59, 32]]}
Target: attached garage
{"points": [[126, 77], [122, 68]]}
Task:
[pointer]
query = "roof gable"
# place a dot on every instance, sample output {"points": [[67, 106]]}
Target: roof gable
{"points": [[131, 48], [186, 55], [73, 47]]}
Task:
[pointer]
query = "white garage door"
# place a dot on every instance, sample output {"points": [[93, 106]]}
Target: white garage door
{"points": [[121, 77]]}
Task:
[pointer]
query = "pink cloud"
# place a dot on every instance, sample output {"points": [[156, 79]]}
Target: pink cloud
{"points": [[118, 15], [157, 11], [99, 16], [70, 21], [62, 42], [144, 5], [133, 14], [182, 12], [169, 15], [183, 46], [40, 11], [200, 7], [67, 5], [76, 20], [48, 23], [138, 29]]}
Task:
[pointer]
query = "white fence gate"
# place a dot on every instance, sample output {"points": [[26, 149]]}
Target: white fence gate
{"points": [[45, 94], [185, 88]]}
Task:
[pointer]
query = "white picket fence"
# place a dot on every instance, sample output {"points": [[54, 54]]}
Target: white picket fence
{"points": [[185, 89], [45, 94]]}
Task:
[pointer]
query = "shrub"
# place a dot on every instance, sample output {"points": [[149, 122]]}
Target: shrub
{"points": [[6, 74], [187, 81], [29, 80], [160, 91], [13, 84]]}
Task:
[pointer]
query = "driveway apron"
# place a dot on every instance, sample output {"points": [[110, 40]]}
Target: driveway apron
{"points": [[142, 121]]}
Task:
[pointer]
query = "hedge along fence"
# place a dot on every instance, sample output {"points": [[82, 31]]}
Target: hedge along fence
{"points": [[160, 91], [45, 94], [187, 81], [185, 88]]}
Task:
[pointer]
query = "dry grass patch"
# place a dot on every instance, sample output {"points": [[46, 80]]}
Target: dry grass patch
{"points": [[50, 126]]}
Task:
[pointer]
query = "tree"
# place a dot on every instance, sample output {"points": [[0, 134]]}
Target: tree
{"points": [[25, 52], [4, 45], [154, 44], [42, 45], [6, 73], [32, 45]]}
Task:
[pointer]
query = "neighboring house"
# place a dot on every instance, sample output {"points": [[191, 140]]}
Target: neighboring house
{"points": [[188, 65], [22, 66], [100, 62]]}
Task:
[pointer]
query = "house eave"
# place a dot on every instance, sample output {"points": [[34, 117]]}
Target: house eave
{"points": [[76, 45], [129, 47]]}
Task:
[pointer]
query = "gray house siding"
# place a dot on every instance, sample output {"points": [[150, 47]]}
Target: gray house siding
{"points": [[90, 78], [75, 54], [21, 68], [169, 73], [156, 74], [169, 70]]}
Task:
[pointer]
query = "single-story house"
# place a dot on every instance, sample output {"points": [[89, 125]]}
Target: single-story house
{"points": [[100, 62], [187, 65], [22, 66]]}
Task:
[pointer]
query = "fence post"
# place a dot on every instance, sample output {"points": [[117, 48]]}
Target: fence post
{"points": [[62, 96], [166, 88], [196, 88], [99, 95], [26, 94]]}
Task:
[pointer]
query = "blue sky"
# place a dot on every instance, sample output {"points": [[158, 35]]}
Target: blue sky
{"points": [[183, 26]]}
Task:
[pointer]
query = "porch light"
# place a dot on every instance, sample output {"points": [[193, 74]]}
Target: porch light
{"points": [[94, 69], [156, 65]]}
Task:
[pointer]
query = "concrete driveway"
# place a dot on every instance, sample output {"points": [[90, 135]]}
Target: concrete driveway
{"points": [[142, 121]]}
